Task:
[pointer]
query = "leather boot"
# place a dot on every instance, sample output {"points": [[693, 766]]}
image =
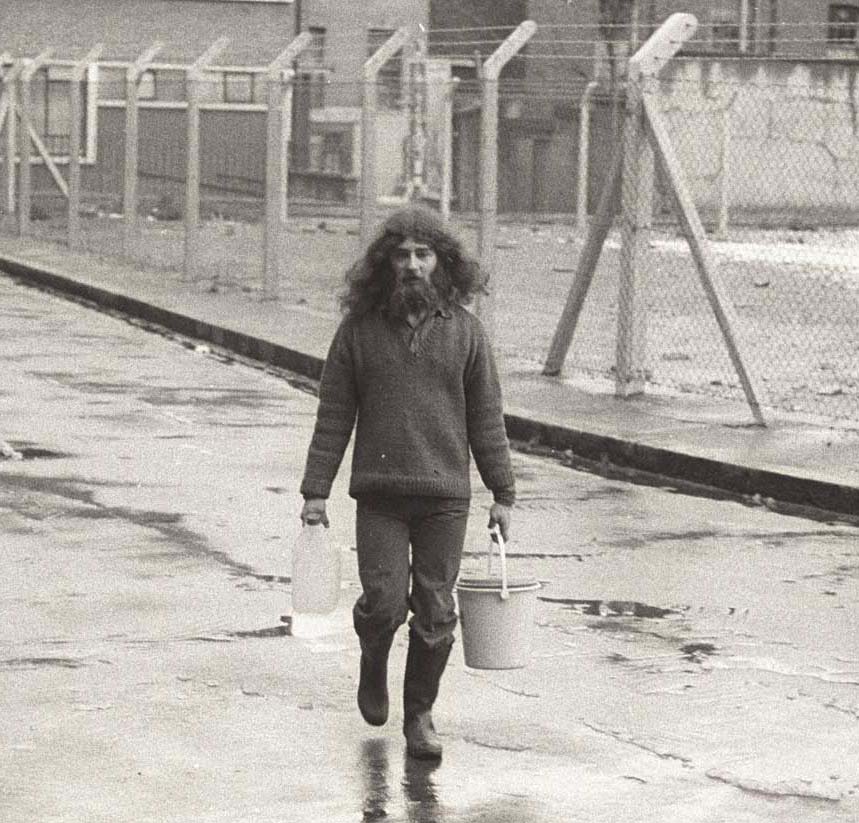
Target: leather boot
{"points": [[424, 668], [373, 685]]}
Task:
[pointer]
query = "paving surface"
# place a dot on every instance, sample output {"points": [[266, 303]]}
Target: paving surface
{"points": [[693, 659]]}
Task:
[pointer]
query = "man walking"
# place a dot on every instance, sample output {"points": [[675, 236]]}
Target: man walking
{"points": [[415, 369]]}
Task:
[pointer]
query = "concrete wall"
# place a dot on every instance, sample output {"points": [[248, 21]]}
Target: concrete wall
{"points": [[793, 132]]}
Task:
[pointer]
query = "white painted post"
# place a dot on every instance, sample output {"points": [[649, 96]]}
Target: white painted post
{"points": [[279, 99], [132, 132], [10, 95], [194, 78], [79, 72], [584, 155], [490, 71], [369, 104], [636, 211]]}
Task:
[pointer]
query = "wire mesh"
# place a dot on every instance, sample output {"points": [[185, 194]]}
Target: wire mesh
{"points": [[764, 128]]}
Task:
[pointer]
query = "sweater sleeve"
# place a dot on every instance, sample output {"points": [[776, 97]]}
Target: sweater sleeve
{"points": [[335, 416], [487, 434]]}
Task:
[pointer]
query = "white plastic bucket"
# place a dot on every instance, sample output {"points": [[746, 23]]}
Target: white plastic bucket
{"points": [[315, 572], [497, 618]]}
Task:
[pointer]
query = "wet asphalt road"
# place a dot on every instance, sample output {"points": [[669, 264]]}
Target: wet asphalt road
{"points": [[693, 660]]}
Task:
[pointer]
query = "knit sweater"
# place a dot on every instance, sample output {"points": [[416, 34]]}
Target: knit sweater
{"points": [[419, 409]]}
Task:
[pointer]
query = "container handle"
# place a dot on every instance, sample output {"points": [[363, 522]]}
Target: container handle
{"points": [[497, 539]]}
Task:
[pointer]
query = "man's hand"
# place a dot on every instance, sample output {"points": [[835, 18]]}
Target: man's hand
{"points": [[313, 512], [500, 516]]}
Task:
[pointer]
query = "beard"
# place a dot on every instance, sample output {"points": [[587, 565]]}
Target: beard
{"points": [[412, 296]]}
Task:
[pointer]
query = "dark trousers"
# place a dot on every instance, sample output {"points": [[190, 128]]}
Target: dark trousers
{"points": [[392, 582]]}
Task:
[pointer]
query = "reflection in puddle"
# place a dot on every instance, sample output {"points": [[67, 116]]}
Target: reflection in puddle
{"points": [[374, 776], [419, 790]]}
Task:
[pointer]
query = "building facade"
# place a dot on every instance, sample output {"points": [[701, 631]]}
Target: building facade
{"points": [[326, 100]]}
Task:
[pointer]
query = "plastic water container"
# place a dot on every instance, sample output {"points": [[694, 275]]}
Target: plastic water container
{"points": [[315, 572]]}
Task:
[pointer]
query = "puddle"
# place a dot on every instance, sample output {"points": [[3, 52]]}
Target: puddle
{"points": [[284, 630], [697, 651], [615, 608], [36, 662], [35, 453]]}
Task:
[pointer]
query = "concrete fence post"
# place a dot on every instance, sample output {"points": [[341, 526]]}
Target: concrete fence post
{"points": [[637, 188], [10, 95]]}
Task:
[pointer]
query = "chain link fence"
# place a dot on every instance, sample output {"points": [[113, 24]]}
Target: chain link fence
{"points": [[768, 150]]}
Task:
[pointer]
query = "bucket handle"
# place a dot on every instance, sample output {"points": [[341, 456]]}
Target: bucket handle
{"points": [[495, 538]]}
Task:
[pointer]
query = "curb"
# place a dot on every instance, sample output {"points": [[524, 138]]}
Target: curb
{"points": [[695, 469]]}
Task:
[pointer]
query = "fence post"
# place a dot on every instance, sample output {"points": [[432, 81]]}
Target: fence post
{"points": [[10, 89], [25, 185], [132, 132], [636, 211], [490, 71], [637, 200], [194, 78], [278, 119], [584, 155], [79, 72], [369, 105]]}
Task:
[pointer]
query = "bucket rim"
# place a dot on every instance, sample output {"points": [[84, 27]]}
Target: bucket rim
{"points": [[494, 584]]}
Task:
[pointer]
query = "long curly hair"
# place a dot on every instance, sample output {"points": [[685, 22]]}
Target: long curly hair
{"points": [[370, 280]]}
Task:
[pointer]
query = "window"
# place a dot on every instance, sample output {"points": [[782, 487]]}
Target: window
{"points": [[390, 75], [843, 24]]}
